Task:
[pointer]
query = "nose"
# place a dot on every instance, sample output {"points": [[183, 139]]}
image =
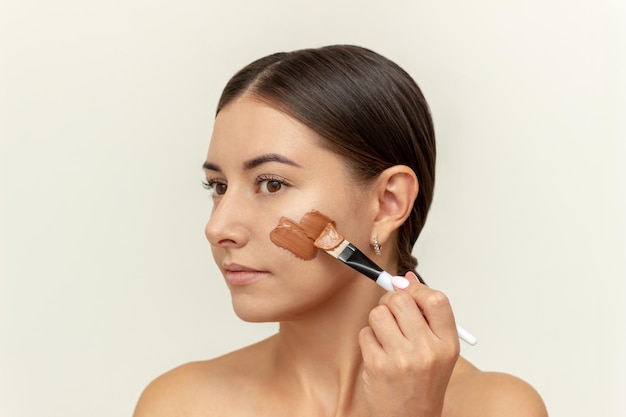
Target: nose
{"points": [[226, 227]]}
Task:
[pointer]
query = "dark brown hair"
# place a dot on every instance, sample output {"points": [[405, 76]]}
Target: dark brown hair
{"points": [[367, 108]]}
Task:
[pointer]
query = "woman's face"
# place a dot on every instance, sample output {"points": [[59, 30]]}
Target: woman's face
{"points": [[262, 165]]}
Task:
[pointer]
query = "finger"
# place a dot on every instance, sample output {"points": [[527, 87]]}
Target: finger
{"points": [[407, 314], [385, 329], [435, 307], [404, 306], [371, 349]]}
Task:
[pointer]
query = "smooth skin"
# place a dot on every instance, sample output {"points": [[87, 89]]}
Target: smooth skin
{"points": [[345, 347]]}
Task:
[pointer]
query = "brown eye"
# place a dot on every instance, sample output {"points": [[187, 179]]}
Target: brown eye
{"points": [[271, 186], [220, 189], [215, 187]]}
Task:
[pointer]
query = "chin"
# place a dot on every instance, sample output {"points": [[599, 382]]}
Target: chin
{"points": [[257, 316], [255, 310], [267, 310]]}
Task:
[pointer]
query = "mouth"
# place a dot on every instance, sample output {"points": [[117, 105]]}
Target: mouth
{"points": [[238, 275]]}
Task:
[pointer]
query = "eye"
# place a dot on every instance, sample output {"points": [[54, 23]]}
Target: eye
{"points": [[270, 184], [215, 186]]}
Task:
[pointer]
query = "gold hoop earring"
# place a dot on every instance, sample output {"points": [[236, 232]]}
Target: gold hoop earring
{"points": [[377, 247]]}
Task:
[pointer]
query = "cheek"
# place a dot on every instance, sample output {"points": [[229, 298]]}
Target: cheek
{"points": [[355, 226], [311, 282]]}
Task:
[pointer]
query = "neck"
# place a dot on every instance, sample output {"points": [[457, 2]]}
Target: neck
{"points": [[319, 351]]}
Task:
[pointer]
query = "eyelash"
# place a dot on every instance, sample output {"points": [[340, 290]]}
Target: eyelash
{"points": [[211, 183]]}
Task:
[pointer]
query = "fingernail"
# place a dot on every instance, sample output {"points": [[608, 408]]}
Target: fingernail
{"points": [[412, 274], [399, 282]]}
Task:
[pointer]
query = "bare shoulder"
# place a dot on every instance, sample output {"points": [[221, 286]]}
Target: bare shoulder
{"points": [[168, 394], [199, 388], [476, 393], [498, 394]]}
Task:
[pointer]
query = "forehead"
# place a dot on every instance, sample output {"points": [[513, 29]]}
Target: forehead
{"points": [[247, 127]]}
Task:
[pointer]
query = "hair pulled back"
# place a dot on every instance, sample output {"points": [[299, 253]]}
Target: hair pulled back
{"points": [[368, 110]]}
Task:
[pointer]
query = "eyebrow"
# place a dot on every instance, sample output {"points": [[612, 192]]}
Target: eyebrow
{"points": [[255, 162]]}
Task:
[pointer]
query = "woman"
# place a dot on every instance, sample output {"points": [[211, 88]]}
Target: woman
{"points": [[344, 131]]}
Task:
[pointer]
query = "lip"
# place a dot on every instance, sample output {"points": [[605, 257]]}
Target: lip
{"points": [[238, 275]]}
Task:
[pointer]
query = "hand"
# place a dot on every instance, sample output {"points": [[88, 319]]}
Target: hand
{"points": [[409, 351]]}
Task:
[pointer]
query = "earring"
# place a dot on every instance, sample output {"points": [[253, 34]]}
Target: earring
{"points": [[376, 246]]}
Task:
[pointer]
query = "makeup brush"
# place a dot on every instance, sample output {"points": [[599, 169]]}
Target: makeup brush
{"points": [[333, 243]]}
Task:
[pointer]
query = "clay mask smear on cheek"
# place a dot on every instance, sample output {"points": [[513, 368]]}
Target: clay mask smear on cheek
{"points": [[299, 238]]}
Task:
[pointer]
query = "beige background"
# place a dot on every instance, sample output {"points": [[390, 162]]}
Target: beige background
{"points": [[107, 280]]}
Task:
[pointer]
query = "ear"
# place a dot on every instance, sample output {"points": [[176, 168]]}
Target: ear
{"points": [[396, 189]]}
